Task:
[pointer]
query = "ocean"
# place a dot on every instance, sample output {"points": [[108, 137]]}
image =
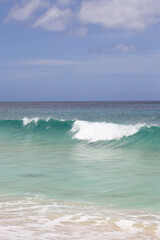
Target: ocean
{"points": [[79, 170]]}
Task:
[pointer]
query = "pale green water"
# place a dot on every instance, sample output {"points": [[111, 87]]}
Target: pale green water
{"points": [[43, 158]]}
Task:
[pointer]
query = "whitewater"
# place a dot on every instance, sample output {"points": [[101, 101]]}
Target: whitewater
{"points": [[81, 130], [80, 170], [94, 131]]}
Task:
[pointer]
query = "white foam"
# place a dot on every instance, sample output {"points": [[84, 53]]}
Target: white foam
{"points": [[158, 232], [26, 120], [95, 131], [41, 218], [127, 225]]}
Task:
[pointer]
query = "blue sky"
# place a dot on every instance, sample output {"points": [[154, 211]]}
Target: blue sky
{"points": [[79, 50]]}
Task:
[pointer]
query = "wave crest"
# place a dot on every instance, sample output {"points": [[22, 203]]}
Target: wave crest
{"points": [[78, 129], [96, 131], [26, 120]]}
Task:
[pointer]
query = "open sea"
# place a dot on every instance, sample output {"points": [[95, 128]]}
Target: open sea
{"points": [[80, 171]]}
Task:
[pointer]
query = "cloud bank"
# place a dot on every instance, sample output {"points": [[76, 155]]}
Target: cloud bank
{"points": [[62, 15], [121, 14]]}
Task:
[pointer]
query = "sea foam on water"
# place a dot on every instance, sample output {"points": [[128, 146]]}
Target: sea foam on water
{"points": [[95, 131], [41, 218]]}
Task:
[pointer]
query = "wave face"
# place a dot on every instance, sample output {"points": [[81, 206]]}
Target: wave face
{"points": [[35, 127], [85, 131], [77, 129]]}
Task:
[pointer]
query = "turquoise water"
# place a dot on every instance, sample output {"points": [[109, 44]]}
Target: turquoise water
{"points": [[105, 154]]}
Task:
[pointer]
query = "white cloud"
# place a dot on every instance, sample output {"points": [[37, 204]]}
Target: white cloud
{"points": [[120, 47], [23, 11], [121, 14], [71, 15], [125, 47], [55, 19], [118, 64]]}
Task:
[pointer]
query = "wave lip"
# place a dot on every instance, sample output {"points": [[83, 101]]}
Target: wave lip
{"points": [[96, 131], [78, 129], [26, 120]]}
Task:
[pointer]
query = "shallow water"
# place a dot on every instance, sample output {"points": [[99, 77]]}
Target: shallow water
{"points": [[40, 218]]}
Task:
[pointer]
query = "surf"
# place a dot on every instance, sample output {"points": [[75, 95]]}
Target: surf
{"points": [[79, 130]]}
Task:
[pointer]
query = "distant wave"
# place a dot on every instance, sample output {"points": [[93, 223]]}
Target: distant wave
{"points": [[76, 129]]}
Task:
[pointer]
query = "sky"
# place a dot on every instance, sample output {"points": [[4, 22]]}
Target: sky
{"points": [[79, 50]]}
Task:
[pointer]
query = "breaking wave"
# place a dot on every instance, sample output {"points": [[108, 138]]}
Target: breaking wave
{"points": [[77, 129], [97, 131]]}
